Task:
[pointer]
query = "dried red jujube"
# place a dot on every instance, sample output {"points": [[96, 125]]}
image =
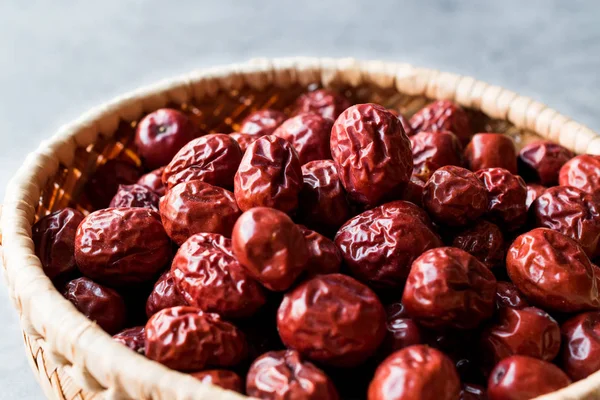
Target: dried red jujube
{"points": [[371, 152], [98, 303], [581, 345], [448, 287], [121, 246], [211, 158], [243, 139], [324, 102], [270, 246], [433, 150], [54, 240], [135, 195], [262, 122], [323, 255], [309, 134], [213, 280], [134, 338], [188, 339], [533, 192], [105, 181], [195, 206], [164, 294], [491, 150], [269, 175], [582, 172], [332, 319], [153, 181], [541, 161], [443, 115], [507, 295], [484, 241]]}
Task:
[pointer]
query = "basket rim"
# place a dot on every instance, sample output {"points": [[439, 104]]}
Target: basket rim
{"points": [[94, 359]]}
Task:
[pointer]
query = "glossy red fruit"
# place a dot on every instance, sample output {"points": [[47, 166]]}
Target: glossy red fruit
{"points": [[269, 175], [194, 207], [507, 295], [454, 196], [402, 331], [282, 375], [309, 134], [528, 332], [371, 152], [210, 278], [324, 102], [448, 287], [433, 150], [379, 245], [164, 295], [507, 196], [443, 115], [134, 338], [187, 339], [581, 345], [533, 192], [323, 255], [415, 373], [572, 212], [54, 240], [262, 122], [323, 205], [243, 139], [160, 135], [553, 271], [122, 246], [270, 246], [211, 158], [326, 304], [541, 162], [98, 303], [105, 181], [524, 378], [582, 172], [491, 150]]}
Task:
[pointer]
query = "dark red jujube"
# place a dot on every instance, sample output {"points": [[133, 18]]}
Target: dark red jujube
{"points": [[324, 102], [134, 338], [581, 345], [484, 241], [491, 150], [541, 161], [582, 172], [262, 122], [135, 195], [309, 134], [443, 115], [433, 150]]}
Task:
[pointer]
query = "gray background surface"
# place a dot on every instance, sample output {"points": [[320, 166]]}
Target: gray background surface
{"points": [[59, 57]]}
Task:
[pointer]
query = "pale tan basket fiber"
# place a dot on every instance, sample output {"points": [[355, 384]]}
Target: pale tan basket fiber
{"points": [[72, 357]]}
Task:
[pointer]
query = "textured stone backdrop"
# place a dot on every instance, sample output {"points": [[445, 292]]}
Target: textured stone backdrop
{"points": [[59, 57]]}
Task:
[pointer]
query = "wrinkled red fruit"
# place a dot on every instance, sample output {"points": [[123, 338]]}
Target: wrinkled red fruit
{"points": [[528, 332], [581, 345], [211, 279], [270, 246], [553, 272], [332, 319], [105, 181], [507, 195], [572, 212], [187, 339], [121, 246], [415, 373], [134, 338], [404, 121], [379, 245], [443, 115], [324, 102], [54, 240], [491, 150], [448, 287], [160, 135], [164, 295], [211, 158], [484, 241], [309, 134], [269, 175], [262, 122], [153, 181], [135, 196], [454, 196], [223, 378], [281, 375], [323, 205], [507, 295], [371, 152], [533, 192], [541, 162], [98, 303], [323, 255], [433, 150], [194, 207], [524, 378], [402, 331], [582, 172]]}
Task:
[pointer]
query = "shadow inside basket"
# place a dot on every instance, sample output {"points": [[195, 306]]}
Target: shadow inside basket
{"points": [[222, 113]]}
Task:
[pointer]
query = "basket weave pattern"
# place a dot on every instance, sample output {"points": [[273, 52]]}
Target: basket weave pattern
{"points": [[72, 357]]}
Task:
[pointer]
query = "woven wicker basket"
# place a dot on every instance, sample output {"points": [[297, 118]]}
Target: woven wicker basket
{"points": [[71, 356]]}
